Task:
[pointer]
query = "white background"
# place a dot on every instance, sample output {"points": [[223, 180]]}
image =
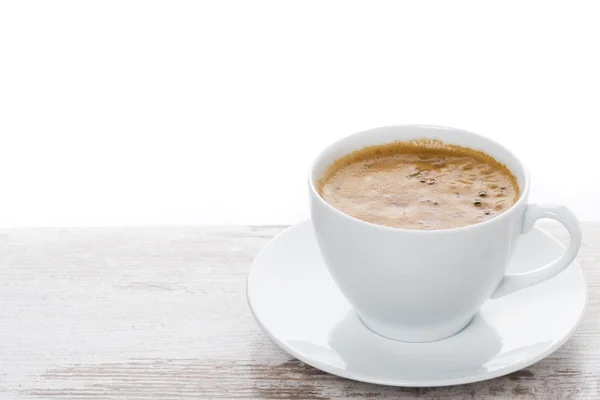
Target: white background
{"points": [[175, 112]]}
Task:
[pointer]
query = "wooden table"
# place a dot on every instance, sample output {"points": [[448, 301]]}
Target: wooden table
{"points": [[161, 313]]}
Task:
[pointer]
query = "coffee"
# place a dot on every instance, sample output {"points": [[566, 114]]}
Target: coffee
{"points": [[421, 184]]}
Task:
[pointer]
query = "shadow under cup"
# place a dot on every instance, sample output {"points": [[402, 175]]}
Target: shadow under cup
{"points": [[416, 285]]}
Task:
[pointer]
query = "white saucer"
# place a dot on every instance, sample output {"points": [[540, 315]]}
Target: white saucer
{"points": [[296, 303]]}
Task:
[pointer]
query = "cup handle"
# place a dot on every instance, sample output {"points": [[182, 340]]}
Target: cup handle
{"points": [[513, 282]]}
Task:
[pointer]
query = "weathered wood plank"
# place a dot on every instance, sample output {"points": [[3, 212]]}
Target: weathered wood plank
{"points": [[160, 313]]}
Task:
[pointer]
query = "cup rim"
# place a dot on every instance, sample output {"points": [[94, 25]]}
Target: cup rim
{"points": [[522, 198]]}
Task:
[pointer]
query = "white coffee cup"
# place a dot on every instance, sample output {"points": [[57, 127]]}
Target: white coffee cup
{"points": [[426, 285]]}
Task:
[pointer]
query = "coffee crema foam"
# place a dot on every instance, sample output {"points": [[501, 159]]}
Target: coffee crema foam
{"points": [[421, 184]]}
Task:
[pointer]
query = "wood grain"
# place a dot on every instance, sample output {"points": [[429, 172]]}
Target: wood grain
{"points": [[160, 313]]}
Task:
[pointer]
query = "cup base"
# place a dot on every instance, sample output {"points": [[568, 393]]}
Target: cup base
{"points": [[415, 335]]}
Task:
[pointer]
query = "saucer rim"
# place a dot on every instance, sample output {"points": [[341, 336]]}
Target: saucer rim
{"points": [[411, 383]]}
